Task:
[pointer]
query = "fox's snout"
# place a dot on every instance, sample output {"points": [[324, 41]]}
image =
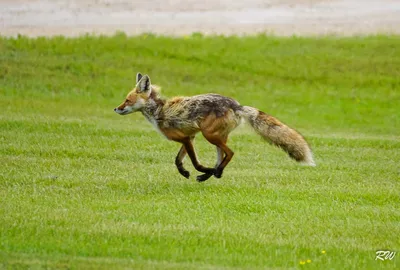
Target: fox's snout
{"points": [[127, 107], [120, 110]]}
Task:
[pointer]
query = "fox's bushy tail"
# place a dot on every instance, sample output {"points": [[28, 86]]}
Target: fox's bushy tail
{"points": [[279, 134]]}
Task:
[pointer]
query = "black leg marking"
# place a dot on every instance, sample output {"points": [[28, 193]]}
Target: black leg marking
{"points": [[203, 177], [178, 162], [192, 154], [218, 173], [184, 172]]}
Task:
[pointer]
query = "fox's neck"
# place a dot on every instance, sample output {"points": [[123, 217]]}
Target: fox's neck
{"points": [[153, 108]]}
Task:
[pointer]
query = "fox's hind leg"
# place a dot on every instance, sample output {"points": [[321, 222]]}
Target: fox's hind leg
{"points": [[216, 131], [228, 156], [179, 162], [220, 156], [222, 148]]}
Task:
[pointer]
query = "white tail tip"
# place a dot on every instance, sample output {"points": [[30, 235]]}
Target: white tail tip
{"points": [[309, 160]]}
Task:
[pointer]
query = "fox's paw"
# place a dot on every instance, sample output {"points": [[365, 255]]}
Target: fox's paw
{"points": [[203, 177], [185, 173], [218, 173]]}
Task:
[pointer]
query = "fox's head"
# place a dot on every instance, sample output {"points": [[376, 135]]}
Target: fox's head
{"points": [[137, 98]]}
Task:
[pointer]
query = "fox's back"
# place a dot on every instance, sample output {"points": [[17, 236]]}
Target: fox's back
{"points": [[187, 113], [192, 109]]}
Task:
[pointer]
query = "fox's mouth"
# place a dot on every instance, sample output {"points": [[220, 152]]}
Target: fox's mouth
{"points": [[121, 112]]}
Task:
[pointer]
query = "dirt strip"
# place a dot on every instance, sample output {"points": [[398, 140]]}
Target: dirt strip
{"points": [[174, 17]]}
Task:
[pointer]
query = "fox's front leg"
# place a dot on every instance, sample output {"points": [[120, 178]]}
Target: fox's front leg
{"points": [[179, 162], [208, 172]]}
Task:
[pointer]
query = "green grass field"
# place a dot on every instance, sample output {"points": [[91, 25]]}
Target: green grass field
{"points": [[84, 188]]}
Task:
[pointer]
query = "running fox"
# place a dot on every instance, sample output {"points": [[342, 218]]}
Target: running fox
{"points": [[215, 116]]}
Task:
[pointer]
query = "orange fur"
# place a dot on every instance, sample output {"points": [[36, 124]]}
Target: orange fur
{"points": [[215, 116]]}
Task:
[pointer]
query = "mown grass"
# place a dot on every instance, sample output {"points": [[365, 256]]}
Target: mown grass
{"points": [[81, 187]]}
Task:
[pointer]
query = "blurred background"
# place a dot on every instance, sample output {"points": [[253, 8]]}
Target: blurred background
{"points": [[280, 17]]}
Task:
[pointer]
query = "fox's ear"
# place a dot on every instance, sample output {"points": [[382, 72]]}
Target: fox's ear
{"points": [[144, 84], [138, 77]]}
